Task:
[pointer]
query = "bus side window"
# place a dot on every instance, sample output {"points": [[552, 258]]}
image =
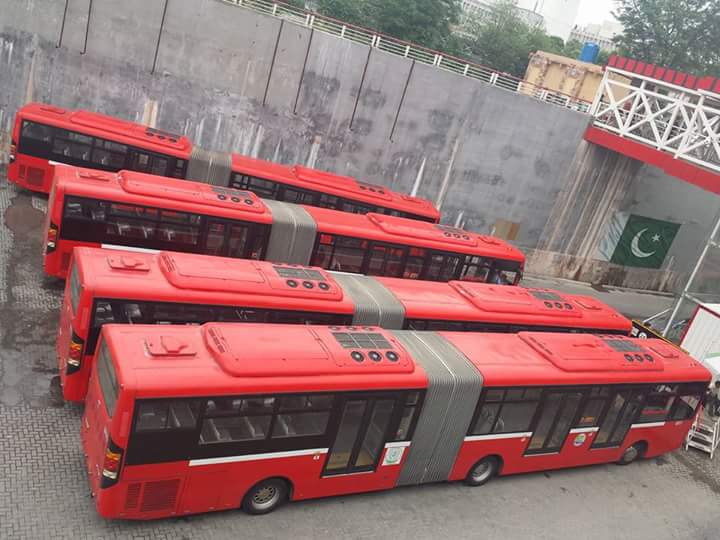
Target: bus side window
{"points": [[415, 263], [441, 267], [109, 154], [266, 189], [349, 254], [409, 416], [355, 207], [232, 420], [302, 416], [155, 415], [36, 139], [71, 145], [178, 171], [299, 196], [327, 201], [179, 228], [686, 403], [505, 411], [592, 409], [385, 260], [323, 252], [658, 403]]}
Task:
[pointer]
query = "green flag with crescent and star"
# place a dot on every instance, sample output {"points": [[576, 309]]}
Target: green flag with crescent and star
{"points": [[644, 242]]}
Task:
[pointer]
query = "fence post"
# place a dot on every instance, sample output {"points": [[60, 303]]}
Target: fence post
{"points": [[493, 78], [377, 42], [275, 8], [407, 50], [465, 70], [342, 31], [307, 20]]}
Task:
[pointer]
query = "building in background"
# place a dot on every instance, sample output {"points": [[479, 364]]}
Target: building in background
{"points": [[563, 76], [556, 16], [478, 8], [559, 15], [602, 34]]}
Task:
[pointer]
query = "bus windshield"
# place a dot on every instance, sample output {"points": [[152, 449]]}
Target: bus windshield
{"points": [[75, 289], [107, 379]]}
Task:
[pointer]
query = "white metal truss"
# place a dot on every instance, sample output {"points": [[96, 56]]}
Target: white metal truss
{"points": [[670, 118]]}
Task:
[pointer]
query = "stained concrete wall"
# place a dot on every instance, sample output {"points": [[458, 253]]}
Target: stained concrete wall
{"points": [[601, 183], [232, 79]]}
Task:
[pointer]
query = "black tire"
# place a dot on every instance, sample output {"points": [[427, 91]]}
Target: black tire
{"points": [[483, 471], [632, 453], [265, 496]]}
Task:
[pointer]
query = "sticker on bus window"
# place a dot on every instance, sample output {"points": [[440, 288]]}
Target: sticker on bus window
{"points": [[393, 455], [580, 439]]}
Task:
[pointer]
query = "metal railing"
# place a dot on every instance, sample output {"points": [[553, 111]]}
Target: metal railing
{"points": [[670, 118], [411, 51]]}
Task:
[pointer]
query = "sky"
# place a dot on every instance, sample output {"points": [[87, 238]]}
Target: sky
{"points": [[594, 11]]}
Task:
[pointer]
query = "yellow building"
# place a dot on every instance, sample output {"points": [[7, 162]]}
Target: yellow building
{"points": [[563, 75]]}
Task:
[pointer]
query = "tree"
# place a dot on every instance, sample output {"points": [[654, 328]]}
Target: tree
{"points": [[572, 48], [343, 10], [681, 34], [425, 22], [502, 40]]}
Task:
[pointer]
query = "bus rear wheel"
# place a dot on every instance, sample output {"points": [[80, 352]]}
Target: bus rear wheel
{"points": [[482, 471], [265, 496], [631, 454]]}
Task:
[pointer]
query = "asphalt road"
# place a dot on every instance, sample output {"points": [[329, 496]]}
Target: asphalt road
{"points": [[44, 493], [631, 303]]}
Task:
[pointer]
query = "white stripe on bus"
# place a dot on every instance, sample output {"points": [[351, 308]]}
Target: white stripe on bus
{"points": [[648, 424], [129, 248], [255, 457], [399, 444], [51, 162], [584, 430], [493, 436]]}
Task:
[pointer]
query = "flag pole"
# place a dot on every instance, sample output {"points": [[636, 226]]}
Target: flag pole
{"points": [[684, 294]]}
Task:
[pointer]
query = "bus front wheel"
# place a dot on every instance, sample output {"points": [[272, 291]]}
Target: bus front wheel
{"points": [[632, 453], [482, 471], [265, 496]]}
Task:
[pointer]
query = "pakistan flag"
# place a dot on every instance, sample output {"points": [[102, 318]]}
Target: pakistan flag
{"points": [[637, 241]]}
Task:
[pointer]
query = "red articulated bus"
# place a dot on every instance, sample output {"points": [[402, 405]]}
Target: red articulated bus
{"points": [[140, 211], [187, 419], [45, 135], [108, 287]]}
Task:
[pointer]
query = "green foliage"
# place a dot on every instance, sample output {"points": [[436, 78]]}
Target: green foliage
{"points": [[503, 41], [572, 48], [681, 34], [425, 22]]}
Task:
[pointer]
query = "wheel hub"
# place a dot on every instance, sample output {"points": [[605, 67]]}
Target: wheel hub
{"points": [[265, 495]]}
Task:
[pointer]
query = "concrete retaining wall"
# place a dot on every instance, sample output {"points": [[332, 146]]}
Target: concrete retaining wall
{"points": [[232, 79]]}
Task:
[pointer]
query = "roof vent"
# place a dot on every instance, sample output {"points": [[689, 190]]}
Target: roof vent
{"points": [[168, 346], [125, 262]]}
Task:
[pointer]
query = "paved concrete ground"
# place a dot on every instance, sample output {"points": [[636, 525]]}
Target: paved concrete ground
{"points": [[43, 488], [633, 304]]}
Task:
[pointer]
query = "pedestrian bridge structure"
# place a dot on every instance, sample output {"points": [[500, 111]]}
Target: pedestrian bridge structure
{"points": [[661, 117]]}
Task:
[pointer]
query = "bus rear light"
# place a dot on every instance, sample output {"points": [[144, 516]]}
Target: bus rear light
{"points": [[75, 351], [52, 235], [111, 465], [13, 149]]}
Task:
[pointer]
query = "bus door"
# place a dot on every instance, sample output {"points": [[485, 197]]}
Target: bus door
{"points": [[359, 442], [624, 408], [553, 421]]}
